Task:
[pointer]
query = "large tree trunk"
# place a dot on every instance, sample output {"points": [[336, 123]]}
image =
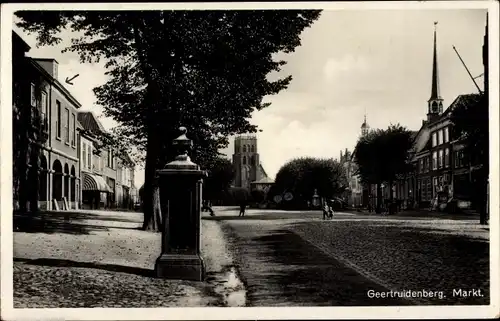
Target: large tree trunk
{"points": [[151, 200], [152, 211], [378, 209], [391, 198]]}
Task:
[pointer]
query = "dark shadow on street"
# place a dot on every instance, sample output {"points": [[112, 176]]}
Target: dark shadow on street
{"points": [[447, 259], [75, 215], [64, 222], [106, 267], [315, 279]]}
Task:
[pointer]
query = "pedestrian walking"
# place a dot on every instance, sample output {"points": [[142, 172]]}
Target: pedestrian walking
{"points": [[331, 209], [207, 208], [243, 206], [326, 210]]}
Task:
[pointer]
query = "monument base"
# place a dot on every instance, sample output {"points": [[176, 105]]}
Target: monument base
{"points": [[180, 267]]}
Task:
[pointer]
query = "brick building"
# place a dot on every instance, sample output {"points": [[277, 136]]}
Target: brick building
{"points": [[442, 174], [107, 182], [246, 162], [354, 194], [45, 109]]}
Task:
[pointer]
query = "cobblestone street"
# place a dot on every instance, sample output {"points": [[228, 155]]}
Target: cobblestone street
{"points": [[267, 258], [287, 259]]}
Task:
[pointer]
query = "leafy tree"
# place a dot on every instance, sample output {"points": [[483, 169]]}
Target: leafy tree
{"points": [[205, 70], [301, 176], [383, 156], [220, 176], [258, 196], [471, 125], [238, 194]]}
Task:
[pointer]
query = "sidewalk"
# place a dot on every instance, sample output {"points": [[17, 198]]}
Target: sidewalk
{"points": [[101, 259]]}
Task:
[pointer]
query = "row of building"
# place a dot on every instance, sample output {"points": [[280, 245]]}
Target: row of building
{"points": [[56, 146], [442, 172]]}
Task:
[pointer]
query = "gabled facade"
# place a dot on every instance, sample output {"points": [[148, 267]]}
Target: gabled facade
{"points": [[108, 183]]}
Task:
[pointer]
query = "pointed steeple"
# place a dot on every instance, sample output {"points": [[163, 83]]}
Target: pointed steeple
{"points": [[435, 94], [435, 102]]}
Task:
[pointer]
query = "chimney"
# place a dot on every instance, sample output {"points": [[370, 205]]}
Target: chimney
{"points": [[49, 65]]}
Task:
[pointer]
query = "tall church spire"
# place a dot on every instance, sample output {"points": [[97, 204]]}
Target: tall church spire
{"points": [[435, 94], [435, 103]]}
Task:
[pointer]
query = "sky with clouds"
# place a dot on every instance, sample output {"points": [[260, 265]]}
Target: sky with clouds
{"points": [[351, 62]]}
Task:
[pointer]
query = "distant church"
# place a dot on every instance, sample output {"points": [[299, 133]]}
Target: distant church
{"points": [[249, 172]]}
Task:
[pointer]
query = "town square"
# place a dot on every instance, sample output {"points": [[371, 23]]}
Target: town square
{"points": [[252, 158]]}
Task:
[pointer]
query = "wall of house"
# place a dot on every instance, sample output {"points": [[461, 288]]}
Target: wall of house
{"points": [[63, 126]]}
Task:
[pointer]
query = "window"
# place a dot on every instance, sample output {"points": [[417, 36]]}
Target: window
{"points": [[89, 155], [440, 158], [66, 125], [73, 130], [44, 110], [58, 120], [435, 183], [447, 157], [84, 155], [446, 135], [44, 103], [421, 168], [252, 148], [33, 95], [109, 158], [244, 148], [252, 160], [429, 189], [440, 137], [105, 160], [461, 158], [447, 178], [244, 160], [434, 160], [434, 141]]}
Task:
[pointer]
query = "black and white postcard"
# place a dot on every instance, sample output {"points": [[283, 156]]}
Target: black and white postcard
{"points": [[301, 160]]}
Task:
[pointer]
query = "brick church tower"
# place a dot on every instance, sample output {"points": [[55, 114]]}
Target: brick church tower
{"points": [[246, 161]]}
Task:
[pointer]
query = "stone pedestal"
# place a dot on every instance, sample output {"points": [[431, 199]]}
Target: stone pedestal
{"points": [[180, 199]]}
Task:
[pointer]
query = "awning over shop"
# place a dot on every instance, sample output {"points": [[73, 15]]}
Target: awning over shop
{"points": [[95, 183]]}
